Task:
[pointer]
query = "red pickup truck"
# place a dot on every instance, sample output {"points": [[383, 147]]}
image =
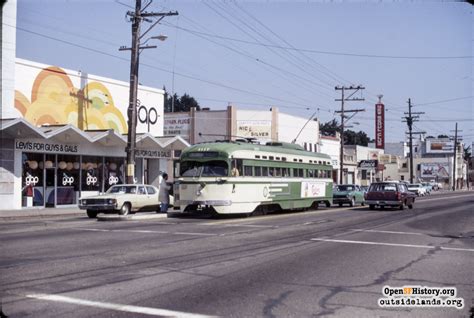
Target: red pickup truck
{"points": [[393, 194]]}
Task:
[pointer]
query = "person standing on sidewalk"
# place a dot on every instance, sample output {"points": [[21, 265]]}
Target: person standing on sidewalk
{"points": [[164, 194]]}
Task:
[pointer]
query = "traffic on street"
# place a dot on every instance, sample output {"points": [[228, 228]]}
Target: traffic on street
{"points": [[330, 261]]}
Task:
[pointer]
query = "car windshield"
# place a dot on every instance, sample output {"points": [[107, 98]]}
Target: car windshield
{"points": [[345, 188], [383, 187], [122, 189], [413, 185], [214, 168]]}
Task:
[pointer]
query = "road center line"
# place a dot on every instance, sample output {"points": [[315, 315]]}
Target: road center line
{"points": [[393, 244], [119, 307], [147, 231], [388, 232]]}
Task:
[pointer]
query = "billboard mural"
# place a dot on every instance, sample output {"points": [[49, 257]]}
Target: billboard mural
{"points": [[379, 126], [439, 146], [55, 96], [438, 170]]}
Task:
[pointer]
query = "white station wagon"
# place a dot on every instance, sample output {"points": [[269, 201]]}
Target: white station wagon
{"points": [[122, 199]]}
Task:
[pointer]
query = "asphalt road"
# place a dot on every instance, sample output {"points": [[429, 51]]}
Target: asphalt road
{"points": [[330, 262]]}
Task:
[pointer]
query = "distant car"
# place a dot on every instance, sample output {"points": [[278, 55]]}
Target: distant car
{"points": [[428, 187], [348, 194], [392, 194], [417, 188], [122, 199]]}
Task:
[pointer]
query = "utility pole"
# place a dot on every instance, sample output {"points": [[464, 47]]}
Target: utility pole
{"points": [[342, 111], [410, 119], [455, 154], [137, 17]]}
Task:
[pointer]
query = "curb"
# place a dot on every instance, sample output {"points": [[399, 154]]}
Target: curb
{"points": [[132, 217]]}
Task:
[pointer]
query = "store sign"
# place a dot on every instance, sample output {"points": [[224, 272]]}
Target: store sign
{"points": [[379, 126], [254, 128], [178, 126], [439, 146], [145, 153], [435, 170], [45, 147], [368, 164]]}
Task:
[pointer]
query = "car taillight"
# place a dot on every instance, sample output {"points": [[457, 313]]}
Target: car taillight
{"points": [[399, 195]]}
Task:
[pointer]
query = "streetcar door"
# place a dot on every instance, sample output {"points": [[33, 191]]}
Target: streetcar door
{"points": [[176, 168]]}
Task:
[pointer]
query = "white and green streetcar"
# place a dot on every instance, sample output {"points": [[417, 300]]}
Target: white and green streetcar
{"points": [[243, 177]]}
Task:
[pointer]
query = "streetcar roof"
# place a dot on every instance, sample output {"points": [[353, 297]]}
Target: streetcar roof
{"points": [[275, 148]]}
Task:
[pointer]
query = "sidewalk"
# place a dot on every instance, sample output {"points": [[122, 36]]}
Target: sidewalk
{"points": [[40, 212]]}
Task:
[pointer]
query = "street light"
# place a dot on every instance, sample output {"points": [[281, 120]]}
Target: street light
{"points": [[132, 111], [160, 37]]}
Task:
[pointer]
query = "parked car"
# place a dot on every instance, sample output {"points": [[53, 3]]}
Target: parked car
{"points": [[428, 187], [417, 188], [122, 199], [392, 194], [348, 194]]}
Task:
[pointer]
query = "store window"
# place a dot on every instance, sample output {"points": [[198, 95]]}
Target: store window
{"points": [[32, 180], [113, 172], [68, 179], [91, 173], [50, 180]]}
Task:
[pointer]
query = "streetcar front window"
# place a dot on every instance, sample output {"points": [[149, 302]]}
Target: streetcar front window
{"points": [[215, 168]]}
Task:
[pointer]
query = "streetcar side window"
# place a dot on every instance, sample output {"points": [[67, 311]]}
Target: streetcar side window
{"points": [[278, 172], [236, 170], [248, 171], [271, 171], [258, 171], [265, 171]]}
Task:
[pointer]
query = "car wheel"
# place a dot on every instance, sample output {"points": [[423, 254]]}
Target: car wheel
{"points": [[371, 206], [362, 203], [352, 202], [125, 209], [328, 204], [91, 214], [410, 206], [402, 206]]}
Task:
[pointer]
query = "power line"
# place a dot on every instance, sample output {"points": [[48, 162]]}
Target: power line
{"points": [[155, 67], [290, 48], [444, 101]]}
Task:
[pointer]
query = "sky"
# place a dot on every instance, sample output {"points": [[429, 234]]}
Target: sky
{"points": [[288, 54]]}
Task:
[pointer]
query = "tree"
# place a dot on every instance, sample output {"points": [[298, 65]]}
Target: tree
{"points": [[443, 136], [350, 137], [181, 104], [330, 128]]}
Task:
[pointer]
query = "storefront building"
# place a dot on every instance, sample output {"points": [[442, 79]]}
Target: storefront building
{"points": [[233, 123], [65, 137]]}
